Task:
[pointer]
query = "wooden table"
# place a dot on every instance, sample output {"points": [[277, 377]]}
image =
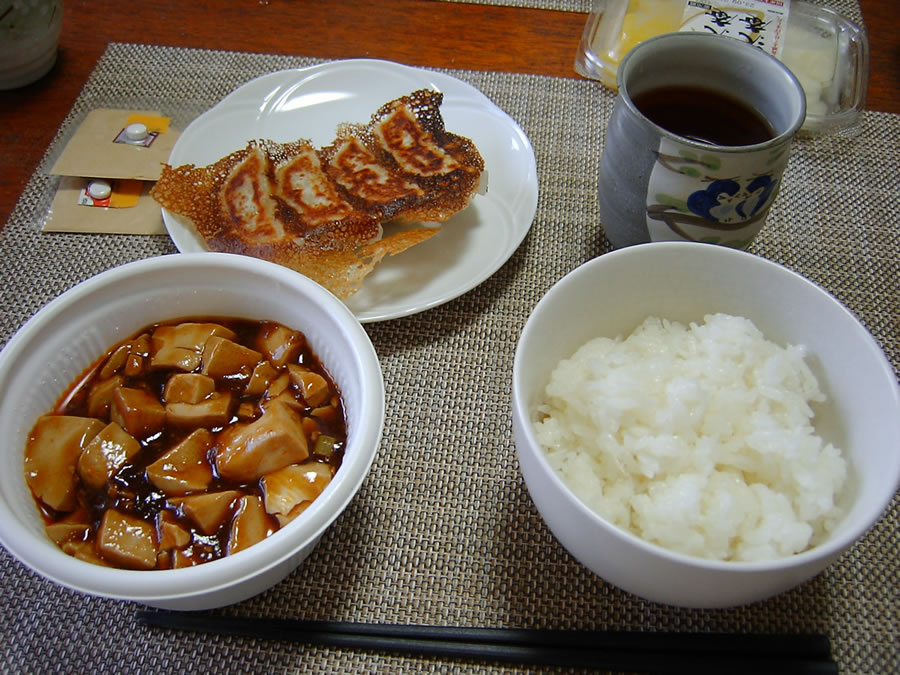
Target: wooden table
{"points": [[416, 32]]}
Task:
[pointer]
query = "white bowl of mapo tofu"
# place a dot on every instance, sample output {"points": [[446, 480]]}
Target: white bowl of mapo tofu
{"points": [[180, 431]]}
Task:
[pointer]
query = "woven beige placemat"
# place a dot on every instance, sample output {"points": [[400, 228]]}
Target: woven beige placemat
{"points": [[849, 8], [443, 530]]}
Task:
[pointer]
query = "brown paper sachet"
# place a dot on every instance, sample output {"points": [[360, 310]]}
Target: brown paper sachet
{"points": [[107, 169]]}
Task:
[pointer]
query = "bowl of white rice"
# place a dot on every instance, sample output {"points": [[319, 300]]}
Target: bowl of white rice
{"points": [[700, 426]]}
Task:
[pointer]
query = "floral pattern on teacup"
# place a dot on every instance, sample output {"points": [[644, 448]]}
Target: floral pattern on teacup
{"points": [[727, 201], [715, 197]]}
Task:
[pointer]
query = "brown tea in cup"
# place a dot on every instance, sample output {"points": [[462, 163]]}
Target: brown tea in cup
{"points": [[698, 141], [704, 115]]}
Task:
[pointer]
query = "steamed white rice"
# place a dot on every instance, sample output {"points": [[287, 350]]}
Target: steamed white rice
{"points": [[698, 438]]}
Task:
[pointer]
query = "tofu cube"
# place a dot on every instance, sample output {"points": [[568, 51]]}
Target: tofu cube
{"points": [[207, 511], [224, 358], [287, 397], [180, 346], [63, 532], [279, 344], [138, 412], [138, 355], [51, 455], [313, 386], [170, 532], [247, 411], [327, 413], [176, 357], [141, 346], [107, 452], [278, 386], [84, 550], [247, 451], [286, 488], [213, 411], [188, 388], [127, 541], [115, 362], [101, 396], [185, 467], [285, 518], [250, 525], [260, 379]]}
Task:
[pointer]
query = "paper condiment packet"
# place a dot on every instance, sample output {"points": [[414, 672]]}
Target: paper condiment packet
{"points": [[123, 151], [93, 152], [128, 210]]}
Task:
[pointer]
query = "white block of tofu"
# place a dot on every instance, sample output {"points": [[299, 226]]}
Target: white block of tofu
{"points": [[51, 455], [250, 525], [107, 452], [115, 362], [285, 518], [213, 411], [246, 452], [289, 398], [180, 346], [188, 388], [313, 386], [278, 386], [286, 488], [170, 532], [101, 396], [63, 532], [185, 467], [84, 550], [137, 411], [224, 358], [126, 540], [263, 374], [279, 344], [176, 357], [207, 511]]}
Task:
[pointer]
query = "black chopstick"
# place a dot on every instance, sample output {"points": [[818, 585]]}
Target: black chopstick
{"points": [[653, 652]]}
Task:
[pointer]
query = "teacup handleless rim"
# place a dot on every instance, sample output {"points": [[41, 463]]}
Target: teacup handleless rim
{"points": [[724, 45]]}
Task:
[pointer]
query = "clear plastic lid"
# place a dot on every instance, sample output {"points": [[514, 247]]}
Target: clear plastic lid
{"points": [[828, 53]]}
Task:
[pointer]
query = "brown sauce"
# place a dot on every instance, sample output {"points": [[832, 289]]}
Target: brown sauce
{"points": [[129, 489]]}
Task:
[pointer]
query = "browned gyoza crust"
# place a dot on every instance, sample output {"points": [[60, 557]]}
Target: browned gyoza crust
{"points": [[320, 211]]}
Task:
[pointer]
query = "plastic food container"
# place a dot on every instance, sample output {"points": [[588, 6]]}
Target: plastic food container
{"points": [[827, 52]]}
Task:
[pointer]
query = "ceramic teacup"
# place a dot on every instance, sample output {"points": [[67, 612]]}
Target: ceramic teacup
{"points": [[698, 141], [29, 37]]}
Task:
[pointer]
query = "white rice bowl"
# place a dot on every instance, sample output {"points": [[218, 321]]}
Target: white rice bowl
{"points": [[698, 438]]}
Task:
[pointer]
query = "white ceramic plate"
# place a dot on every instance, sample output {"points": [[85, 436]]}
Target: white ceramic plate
{"points": [[311, 102]]}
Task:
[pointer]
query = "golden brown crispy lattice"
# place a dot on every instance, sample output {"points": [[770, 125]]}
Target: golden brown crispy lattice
{"points": [[320, 211]]}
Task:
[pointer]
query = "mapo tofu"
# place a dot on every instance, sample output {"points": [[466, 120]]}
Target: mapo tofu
{"points": [[185, 443]]}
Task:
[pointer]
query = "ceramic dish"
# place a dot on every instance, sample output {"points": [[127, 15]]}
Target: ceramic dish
{"points": [[684, 281], [311, 102]]}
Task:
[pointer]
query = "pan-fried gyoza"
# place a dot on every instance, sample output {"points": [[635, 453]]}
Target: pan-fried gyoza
{"points": [[320, 211]]}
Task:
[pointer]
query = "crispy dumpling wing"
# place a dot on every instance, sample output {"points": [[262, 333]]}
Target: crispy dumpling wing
{"points": [[321, 211], [404, 165]]}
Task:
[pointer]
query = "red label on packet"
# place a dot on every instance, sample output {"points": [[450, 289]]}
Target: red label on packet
{"points": [[114, 194]]}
